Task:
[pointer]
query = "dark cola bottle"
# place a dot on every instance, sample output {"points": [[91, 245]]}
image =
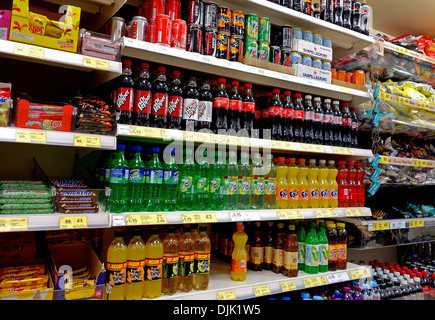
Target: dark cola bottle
{"points": [[221, 103], [309, 120], [235, 108], [142, 97], [275, 116], [287, 117], [347, 14], [338, 12], [328, 120], [205, 108], [248, 111], [347, 125], [160, 104], [175, 107], [298, 118], [123, 94], [318, 121], [257, 116], [355, 125], [190, 106], [338, 124], [327, 10], [356, 16], [265, 125]]}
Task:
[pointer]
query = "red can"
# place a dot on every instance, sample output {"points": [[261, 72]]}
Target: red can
{"points": [[179, 34], [163, 30], [155, 7], [145, 9], [173, 9], [151, 32]]}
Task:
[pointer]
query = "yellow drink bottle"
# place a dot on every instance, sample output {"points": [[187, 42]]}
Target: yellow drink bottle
{"points": [[116, 267], [170, 263], [281, 184], [303, 184], [333, 185], [201, 268], [135, 267], [153, 266], [239, 256], [185, 261], [293, 184], [313, 183], [323, 185]]}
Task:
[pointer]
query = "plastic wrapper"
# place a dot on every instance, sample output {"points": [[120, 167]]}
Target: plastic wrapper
{"points": [[99, 45], [5, 103]]}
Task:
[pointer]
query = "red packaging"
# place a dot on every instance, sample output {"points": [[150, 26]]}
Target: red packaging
{"points": [[145, 9], [163, 30], [151, 32], [179, 34], [173, 9], [156, 7]]}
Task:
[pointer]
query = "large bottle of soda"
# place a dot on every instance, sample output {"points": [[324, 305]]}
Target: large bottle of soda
{"points": [[257, 115], [160, 99], [327, 10], [338, 123], [318, 121], [275, 116], [356, 16], [365, 14], [287, 117], [338, 12], [309, 120], [123, 94], [298, 119], [235, 108], [190, 106], [175, 108], [248, 111], [205, 108], [142, 97], [355, 124], [328, 123], [221, 104], [347, 126], [347, 14], [265, 125]]}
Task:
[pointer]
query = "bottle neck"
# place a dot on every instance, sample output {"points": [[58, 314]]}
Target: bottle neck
{"points": [[161, 76], [235, 89], [176, 81], [275, 97], [221, 86], [126, 70], [144, 73]]}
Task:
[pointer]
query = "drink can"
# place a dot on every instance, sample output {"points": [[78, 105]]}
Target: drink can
{"points": [[223, 45], [327, 42], [236, 48], [264, 29], [286, 57], [194, 38], [307, 36], [138, 29], [194, 13], [296, 58], [251, 48], [317, 39], [285, 37], [211, 15], [163, 30], [307, 61], [237, 27], [297, 33], [359, 77], [275, 54], [210, 44], [173, 9], [334, 75], [341, 75], [251, 26], [263, 51], [117, 28], [316, 63], [151, 32], [224, 19], [349, 77], [326, 65], [179, 34], [156, 7]]}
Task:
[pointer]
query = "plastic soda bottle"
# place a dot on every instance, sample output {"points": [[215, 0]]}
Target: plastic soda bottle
{"points": [[353, 193], [201, 266], [341, 246], [257, 174], [281, 184], [185, 186], [116, 267], [118, 181], [303, 184], [323, 247], [269, 183], [186, 259], [343, 184], [332, 245], [135, 267], [290, 268], [333, 185], [170, 182], [323, 185], [244, 183], [154, 181], [256, 252], [301, 237], [200, 183], [231, 182], [360, 187], [278, 249], [152, 287], [312, 256], [293, 184], [268, 247], [313, 183], [136, 181], [239, 255], [170, 262], [216, 183]]}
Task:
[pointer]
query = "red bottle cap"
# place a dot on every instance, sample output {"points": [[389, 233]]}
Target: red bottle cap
{"points": [[214, 83], [287, 161], [287, 93], [425, 273], [176, 73], [298, 95], [301, 160], [161, 69], [276, 91], [222, 80], [269, 94], [341, 162], [281, 159], [240, 227], [359, 164], [415, 270], [402, 272], [144, 65], [235, 83], [127, 62], [351, 163], [248, 85], [292, 159]]}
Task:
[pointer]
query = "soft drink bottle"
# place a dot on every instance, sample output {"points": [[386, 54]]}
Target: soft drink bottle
{"points": [[298, 5], [200, 183], [347, 126], [186, 247], [318, 121], [332, 245], [288, 110], [160, 104], [303, 184], [323, 184], [313, 184], [365, 14], [154, 181], [216, 183], [309, 120], [152, 287], [123, 94], [299, 118], [343, 185], [356, 16], [239, 255], [257, 175], [136, 181], [248, 111], [116, 267], [338, 12], [341, 246], [323, 247], [333, 185], [312, 256], [275, 116], [353, 193], [281, 184], [170, 181], [118, 181], [278, 249], [175, 106], [190, 106], [347, 14], [205, 108], [231, 182], [360, 187], [347, 295], [235, 108], [328, 123], [301, 237], [293, 184], [135, 267], [327, 10], [185, 190], [170, 262], [221, 104], [244, 196], [269, 183], [355, 124], [142, 98], [290, 267], [201, 267], [338, 124], [268, 246], [257, 116], [256, 252]]}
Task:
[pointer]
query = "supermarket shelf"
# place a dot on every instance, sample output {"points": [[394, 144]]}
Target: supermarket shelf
{"points": [[410, 53], [407, 162], [392, 224], [180, 58], [264, 283]]}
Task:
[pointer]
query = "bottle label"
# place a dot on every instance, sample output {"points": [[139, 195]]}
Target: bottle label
{"points": [[314, 194], [354, 125], [186, 184], [170, 267], [301, 252], [185, 264], [258, 185], [190, 109], [142, 101], [257, 114], [268, 254], [293, 194], [215, 185], [312, 256], [318, 117], [153, 176], [278, 257], [332, 252], [238, 266], [285, 112], [175, 108], [282, 194], [136, 176], [347, 122], [205, 110], [116, 273], [275, 111], [201, 185], [124, 99], [236, 105], [291, 260], [170, 177], [333, 194], [323, 248], [338, 120], [249, 106], [265, 113], [256, 255], [244, 185], [299, 114], [341, 252], [343, 194], [160, 103], [303, 194], [201, 263], [231, 185], [270, 186], [119, 175], [153, 269], [309, 115], [221, 102], [135, 271], [328, 118], [290, 112], [324, 194]]}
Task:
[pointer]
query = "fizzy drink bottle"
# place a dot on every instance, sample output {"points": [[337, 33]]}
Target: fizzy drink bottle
{"points": [[186, 257], [312, 256], [118, 181], [216, 183], [288, 109], [142, 98], [298, 5], [154, 181], [343, 184], [170, 182], [175, 106], [248, 111], [341, 246], [338, 124], [136, 181], [231, 182], [299, 119], [170, 262], [257, 116], [332, 245], [201, 267], [152, 287], [313, 184], [360, 187], [244, 196], [323, 184], [290, 267], [278, 249], [328, 123], [190, 106], [353, 193], [205, 108], [323, 247], [221, 103], [303, 184], [123, 94], [347, 126], [307, 7], [281, 184], [347, 295], [239, 254], [200, 183], [275, 116], [235, 108], [116, 267], [256, 252], [269, 183], [265, 125], [301, 237], [365, 14], [318, 121], [356, 16], [308, 120], [338, 12], [135, 267], [185, 187], [160, 103], [268, 246], [257, 175], [355, 124], [327, 10], [333, 185], [293, 184], [347, 14]]}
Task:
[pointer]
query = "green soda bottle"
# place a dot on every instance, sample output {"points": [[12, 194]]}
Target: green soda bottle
{"points": [[216, 183], [170, 183], [118, 181], [154, 181], [136, 181], [323, 247], [301, 237], [107, 167], [185, 185], [200, 183], [231, 182], [244, 202], [257, 174], [269, 183], [312, 256]]}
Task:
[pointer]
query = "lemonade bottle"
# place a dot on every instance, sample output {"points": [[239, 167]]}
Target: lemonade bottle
{"points": [[116, 267], [333, 185], [303, 184], [239, 255], [170, 263], [153, 266], [257, 175], [323, 184], [270, 183], [135, 267], [202, 249], [185, 261], [293, 184], [323, 247], [281, 184], [313, 184], [312, 255]]}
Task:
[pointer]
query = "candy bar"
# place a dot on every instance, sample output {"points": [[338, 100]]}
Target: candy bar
{"points": [[17, 194]]}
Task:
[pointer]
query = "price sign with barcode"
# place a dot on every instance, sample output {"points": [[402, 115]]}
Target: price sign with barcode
{"points": [[226, 295], [360, 273], [263, 290], [145, 219], [31, 136], [87, 141], [73, 222], [288, 286], [13, 224], [416, 223], [354, 212], [337, 277], [325, 213], [290, 214], [314, 281], [244, 216], [376, 226], [202, 217]]}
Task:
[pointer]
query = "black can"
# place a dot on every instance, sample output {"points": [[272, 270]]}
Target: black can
{"points": [[222, 45], [209, 43], [275, 54], [224, 19], [236, 48], [194, 38], [286, 57], [285, 37], [211, 15], [194, 12]]}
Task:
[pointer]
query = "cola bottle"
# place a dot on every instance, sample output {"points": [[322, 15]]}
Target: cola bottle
{"points": [[306, 7], [309, 120], [298, 119], [298, 5], [175, 107], [205, 108], [328, 123], [338, 12], [160, 99], [214, 86], [265, 125], [221, 103], [338, 124], [364, 24], [235, 108], [190, 106], [347, 126], [257, 116], [347, 14], [287, 112], [142, 97], [356, 16], [355, 124], [318, 121], [248, 112], [275, 116], [123, 94], [327, 10]]}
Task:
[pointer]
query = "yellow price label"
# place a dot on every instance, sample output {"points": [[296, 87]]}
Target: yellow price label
{"points": [[354, 212], [290, 214], [314, 281], [73, 222], [137, 131], [145, 219], [402, 50], [31, 136], [288, 286], [403, 100], [189, 136], [423, 105], [419, 163], [226, 295], [87, 141], [381, 226], [312, 148], [29, 51], [263, 290], [385, 96], [95, 63], [384, 160], [358, 274], [13, 224], [200, 217], [416, 223], [325, 213], [342, 150]]}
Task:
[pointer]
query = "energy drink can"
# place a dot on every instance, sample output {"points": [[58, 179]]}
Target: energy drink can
{"points": [[224, 19], [222, 45], [236, 48], [237, 27]]}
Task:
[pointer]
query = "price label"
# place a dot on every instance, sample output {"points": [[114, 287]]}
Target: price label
{"points": [[290, 214], [360, 273], [87, 141], [118, 220], [29, 51], [312, 148], [423, 105], [416, 223], [31, 136], [73, 222], [376, 226], [397, 225], [403, 100], [354, 212], [325, 213], [288, 286], [419, 163], [384, 160], [342, 150], [13, 224], [385, 96], [226, 295], [145, 219], [189, 136], [263, 290], [137, 131], [201, 217], [314, 281], [96, 63], [244, 215], [337, 277]]}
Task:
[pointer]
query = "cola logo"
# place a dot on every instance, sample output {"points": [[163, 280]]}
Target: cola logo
{"points": [[199, 41], [144, 102], [201, 108], [210, 43], [158, 103], [193, 11], [191, 109], [122, 98], [173, 105]]}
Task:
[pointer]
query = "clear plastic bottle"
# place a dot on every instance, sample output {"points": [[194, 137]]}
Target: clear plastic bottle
{"points": [[323, 248], [313, 184], [347, 295], [268, 246], [170, 263], [216, 183], [376, 291], [357, 295], [135, 267], [301, 237], [118, 181], [303, 184], [185, 189], [200, 183], [269, 183], [170, 182], [154, 181], [281, 184], [244, 202], [116, 267], [231, 182], [367, 292], [202, 249], [257, 174], [185, 261]]}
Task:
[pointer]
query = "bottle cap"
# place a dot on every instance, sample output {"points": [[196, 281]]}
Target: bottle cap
{"points": [[327, 101], [214, 83], [202, 228], [161, 69], [305, 295], [322, 161], [155, 149], [341, 162], [120, 147], [308, 97], [317, 298], [126, 62], [292, 159], [358, 164], [137, 148], [340, 225], [155, 231], [350, 163], [176, 72], [317, 99], [357, 288], [312, 161], [281, 159], [240, 227], [137, 232], [301, 160], [235, 83], [248, 85], [276, 91], [269, 94], [298, 95], [331, 162], [285, 298], [186, 228], [287, 93], [346, 289], [345, 104], [171, 229], [222, 80], [144, 65]]}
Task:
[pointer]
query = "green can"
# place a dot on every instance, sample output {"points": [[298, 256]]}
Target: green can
{"points": [[264, 29], [263, 51], [251, 48], [251, 26]]}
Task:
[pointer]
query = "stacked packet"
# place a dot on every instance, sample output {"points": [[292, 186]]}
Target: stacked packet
{"points": [[72, 196]]}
